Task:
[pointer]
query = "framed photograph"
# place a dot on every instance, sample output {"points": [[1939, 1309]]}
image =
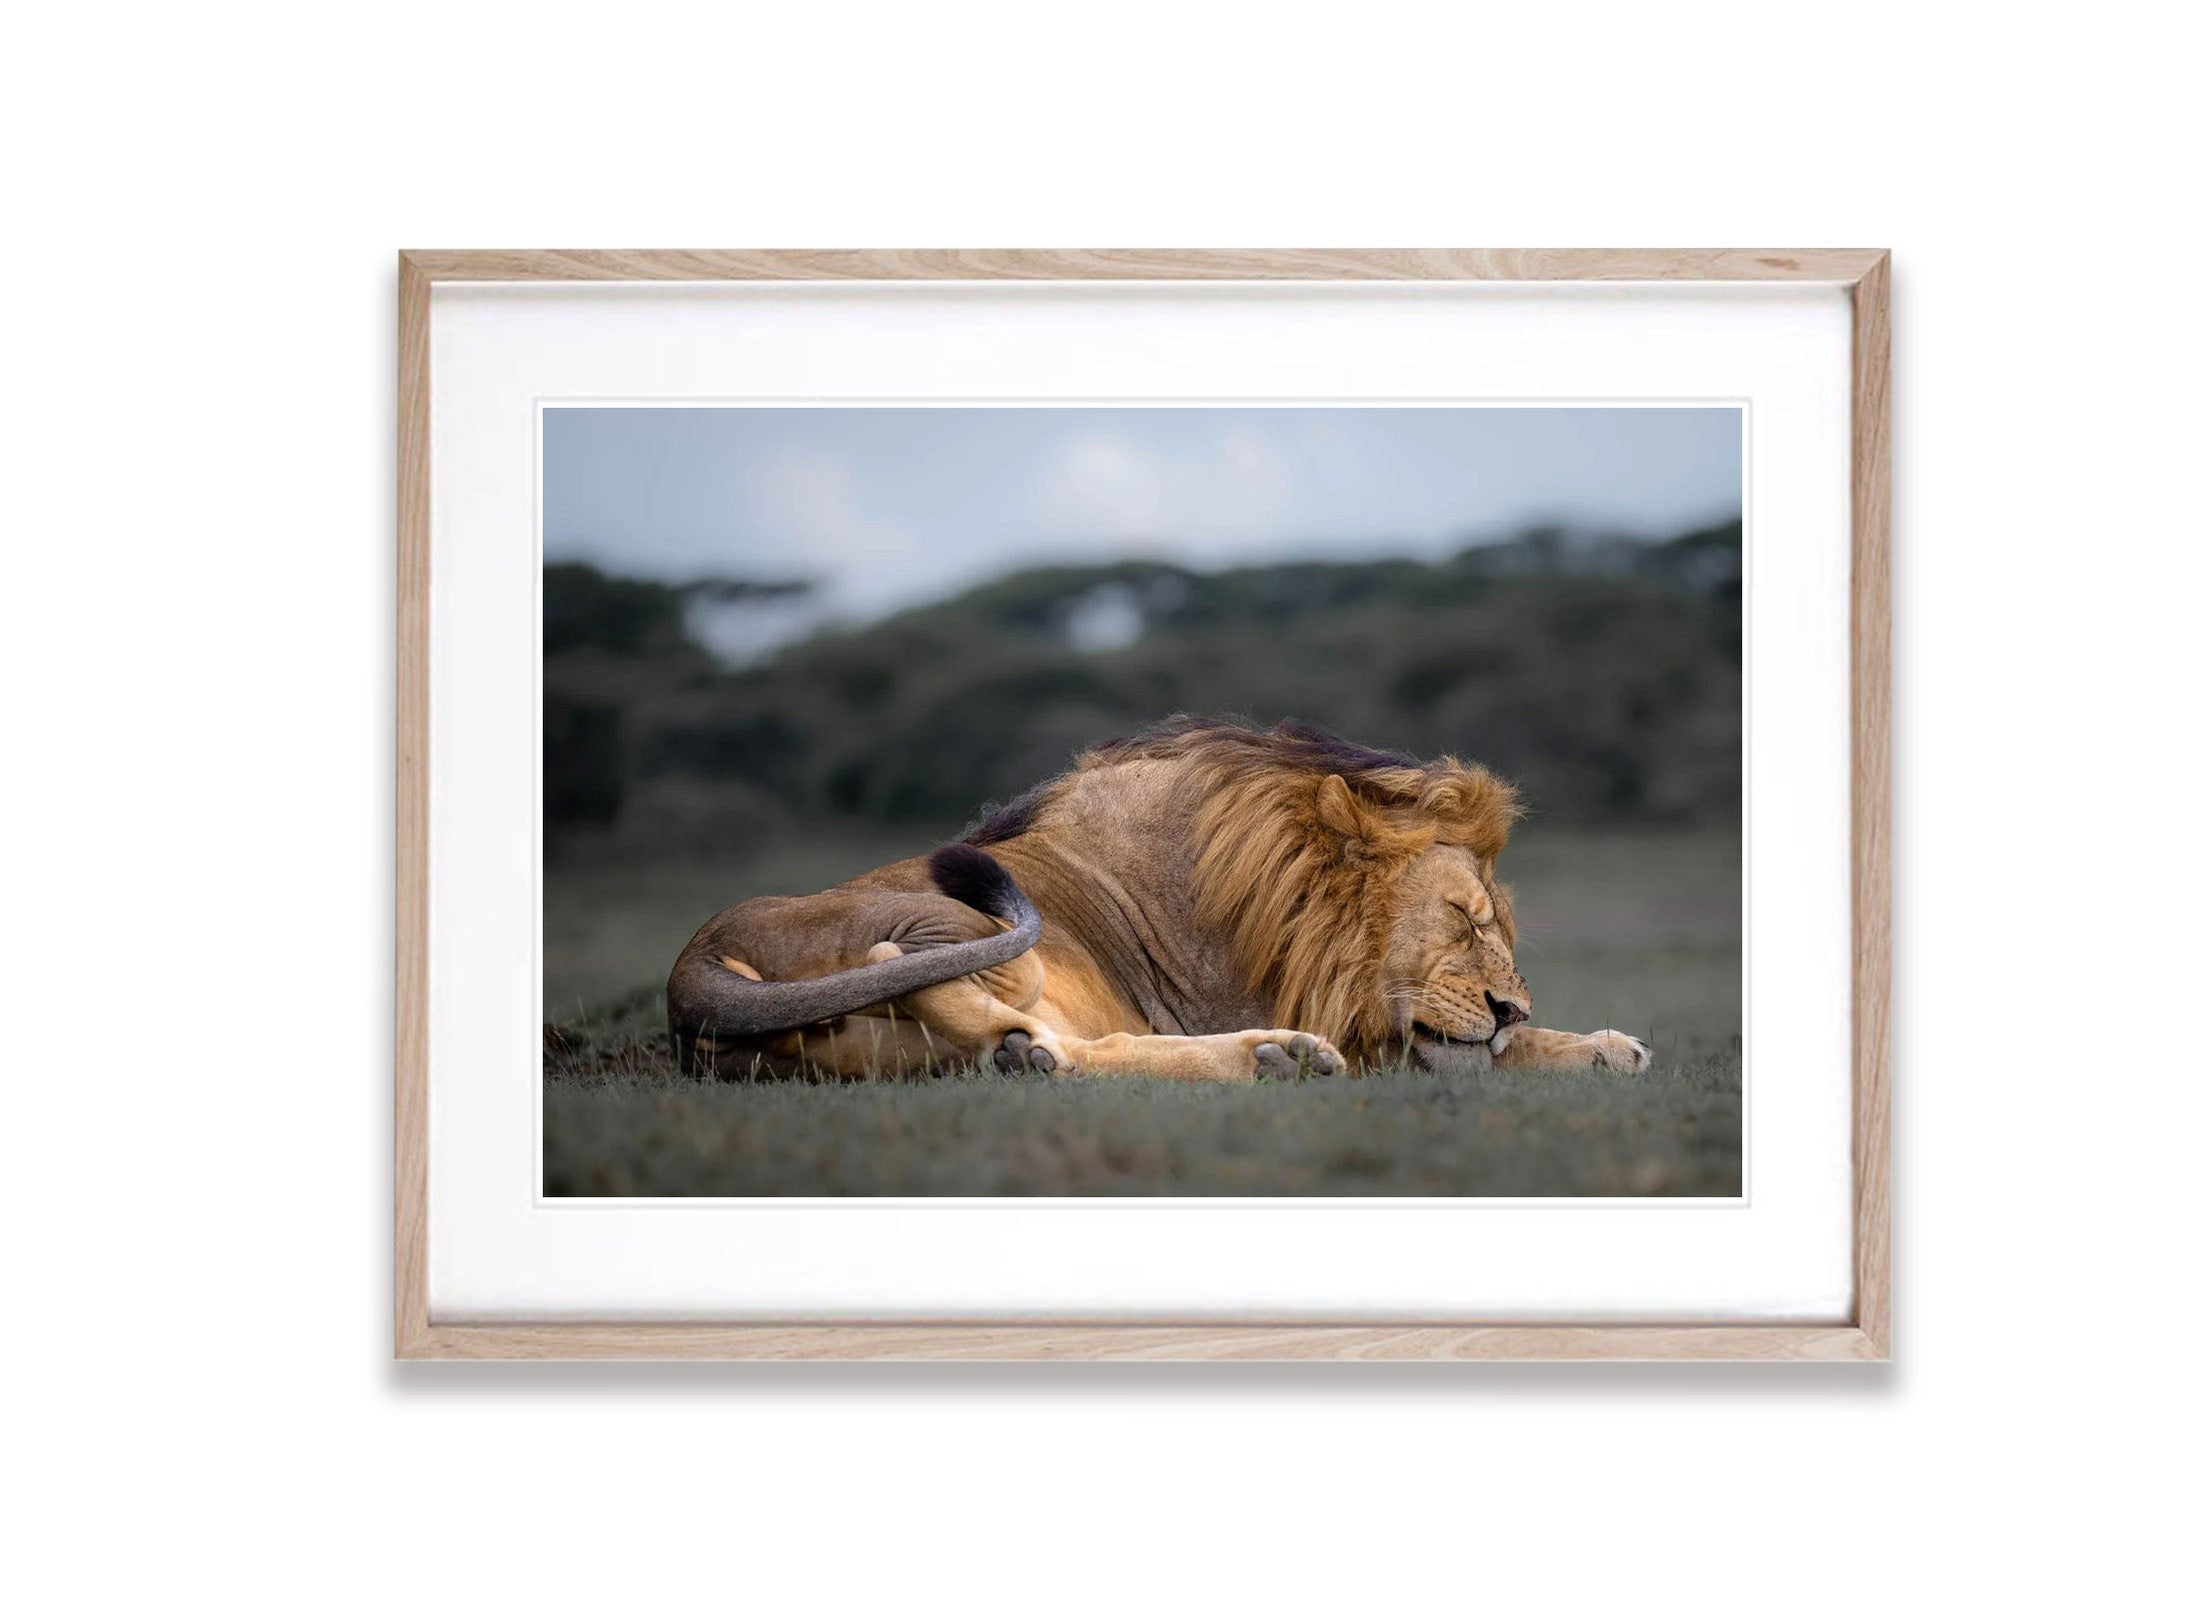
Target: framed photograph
{"points": [[1273, 804]]}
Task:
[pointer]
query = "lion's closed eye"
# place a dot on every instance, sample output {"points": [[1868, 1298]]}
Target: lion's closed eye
{"points": [[1473, 899]]}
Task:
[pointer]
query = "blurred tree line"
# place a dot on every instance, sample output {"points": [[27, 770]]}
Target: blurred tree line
{"points": [[1603, 675]]}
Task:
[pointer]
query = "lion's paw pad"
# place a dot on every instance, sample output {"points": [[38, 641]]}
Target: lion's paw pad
{"points": [[1303, 1053], [1018, 1053]]}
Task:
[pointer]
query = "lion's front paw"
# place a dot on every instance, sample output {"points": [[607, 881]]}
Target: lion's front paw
{"points": [[1287, 1055], [1620, 1053]]}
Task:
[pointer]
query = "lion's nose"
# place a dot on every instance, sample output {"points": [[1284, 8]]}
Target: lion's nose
{"points": [[1506, 1013]]}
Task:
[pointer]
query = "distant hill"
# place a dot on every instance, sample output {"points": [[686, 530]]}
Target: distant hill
{"points": [[1602, 674]]}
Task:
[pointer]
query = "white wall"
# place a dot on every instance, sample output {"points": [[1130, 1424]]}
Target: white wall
{"points": [[197, 632]]}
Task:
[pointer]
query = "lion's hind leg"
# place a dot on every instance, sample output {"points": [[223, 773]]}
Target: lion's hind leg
{"points": [[912, 1036], [986, 1017], [797, 954]]}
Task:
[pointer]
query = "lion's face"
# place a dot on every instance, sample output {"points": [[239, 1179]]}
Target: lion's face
{"points": [[1449, 972]]}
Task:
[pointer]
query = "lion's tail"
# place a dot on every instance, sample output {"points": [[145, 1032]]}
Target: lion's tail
{"points": [[716, 1004]]}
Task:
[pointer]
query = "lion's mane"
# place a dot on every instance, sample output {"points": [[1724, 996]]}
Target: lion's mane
{"points": [[1303, 881]]}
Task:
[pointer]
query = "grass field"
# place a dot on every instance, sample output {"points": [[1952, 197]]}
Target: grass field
{"points": [[1638, 932]]}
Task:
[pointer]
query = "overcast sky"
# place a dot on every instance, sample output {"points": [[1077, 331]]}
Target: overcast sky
{"points": [[894, 505]]}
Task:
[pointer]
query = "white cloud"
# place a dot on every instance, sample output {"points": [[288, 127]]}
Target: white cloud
{"points": [[1102, 486], [1105, 490], [807, 509], [803, 501]]}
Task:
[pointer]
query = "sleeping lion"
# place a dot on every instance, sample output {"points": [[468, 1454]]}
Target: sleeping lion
{"points": [[1205, 901]]}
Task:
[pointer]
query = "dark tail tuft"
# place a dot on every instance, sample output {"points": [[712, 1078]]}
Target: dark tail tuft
{"points": [[975, 878]]}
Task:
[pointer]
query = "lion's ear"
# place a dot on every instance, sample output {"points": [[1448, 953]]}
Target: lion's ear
{"points": [[1473, 807], [1339, 809], [1377, 830]]}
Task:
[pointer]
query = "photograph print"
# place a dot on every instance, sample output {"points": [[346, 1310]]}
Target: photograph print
{"points": [[1183, 802]]}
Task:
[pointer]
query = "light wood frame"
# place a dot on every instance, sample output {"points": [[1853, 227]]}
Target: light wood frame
{"points": [[1864, 1335]]}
